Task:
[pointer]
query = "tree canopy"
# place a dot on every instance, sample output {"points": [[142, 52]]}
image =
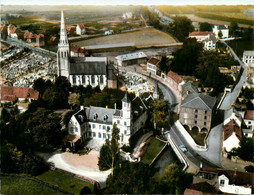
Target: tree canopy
{"points": [[205, 26], [181, 27]]}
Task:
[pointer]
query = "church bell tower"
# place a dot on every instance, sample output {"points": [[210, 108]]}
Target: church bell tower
{"points": [[63, 52]]}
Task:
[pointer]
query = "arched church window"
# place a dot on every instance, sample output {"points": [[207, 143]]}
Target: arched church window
{"points": [[83, 79], [93, 79], [74, 80]]}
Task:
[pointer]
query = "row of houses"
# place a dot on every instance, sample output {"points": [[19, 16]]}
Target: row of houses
{"points": [[13, 32]]}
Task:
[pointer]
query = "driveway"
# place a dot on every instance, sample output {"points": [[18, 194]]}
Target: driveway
{"points": [[85, 165]]}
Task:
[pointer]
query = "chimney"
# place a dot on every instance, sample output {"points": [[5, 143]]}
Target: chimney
{"points": [[81, 107], [115, 106], [106, 106]]}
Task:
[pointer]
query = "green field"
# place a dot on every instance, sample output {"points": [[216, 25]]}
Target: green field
{"points": [[145, 37], [154, 147], [229, 13], [64, 182], [13, 185]]}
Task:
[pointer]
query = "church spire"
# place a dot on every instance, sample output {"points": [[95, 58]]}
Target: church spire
{"points": [[63, 35]]}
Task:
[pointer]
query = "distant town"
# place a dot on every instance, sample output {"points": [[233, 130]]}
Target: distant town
{"points": [[127, 99]]}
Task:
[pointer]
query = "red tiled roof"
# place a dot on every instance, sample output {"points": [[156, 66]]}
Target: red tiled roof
{"points": [[231, 127], [249, 115], [189, 191], [205, 187], [18, 92], [52, 38], [153, 61], [28, 35], [81, 26], [77, 49], [2, 27], [174, 76], [12, 29], [39, 36], [68, 28], [197, 33]]}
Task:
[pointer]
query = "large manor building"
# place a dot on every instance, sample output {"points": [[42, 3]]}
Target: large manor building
{"points": [[93, 71]]}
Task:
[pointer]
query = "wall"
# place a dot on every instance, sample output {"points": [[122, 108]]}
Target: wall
{"points": [[188, 138]]}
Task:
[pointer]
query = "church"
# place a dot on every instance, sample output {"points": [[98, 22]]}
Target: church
{"points": [[93, 71]]}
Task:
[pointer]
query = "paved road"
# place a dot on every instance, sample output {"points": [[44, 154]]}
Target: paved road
{"points": [[212, 154], [36, 49], [231, 96]]}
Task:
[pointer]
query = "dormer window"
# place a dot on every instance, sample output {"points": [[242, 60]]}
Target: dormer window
{"points": [[105, 118], [95, 116]]}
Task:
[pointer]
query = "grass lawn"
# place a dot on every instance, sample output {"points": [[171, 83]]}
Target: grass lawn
{"points": [[64, 182], [13, 185], [198, 137], [154, 147], [145, 37]]}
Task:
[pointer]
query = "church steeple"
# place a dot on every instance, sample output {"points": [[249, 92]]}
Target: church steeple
{"points": [[63, 52], [63, 35]]}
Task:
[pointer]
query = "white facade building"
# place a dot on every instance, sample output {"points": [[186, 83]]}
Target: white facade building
{"points": [[152, 65], [84, 71], [224, 30], [248, 58], [97, 122], [224, 186], [80, 29], [130, 59]]}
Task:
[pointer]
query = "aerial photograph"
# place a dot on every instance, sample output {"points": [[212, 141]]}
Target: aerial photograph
{"points": [[126, 97]]}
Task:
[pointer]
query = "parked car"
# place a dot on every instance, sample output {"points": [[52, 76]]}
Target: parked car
{"points": [[183, 148]]}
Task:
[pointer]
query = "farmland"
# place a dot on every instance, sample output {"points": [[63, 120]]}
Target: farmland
{"points": [[144, 37], [230, 13]]}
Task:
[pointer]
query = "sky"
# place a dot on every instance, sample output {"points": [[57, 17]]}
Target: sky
{"points": [[127, 2]]}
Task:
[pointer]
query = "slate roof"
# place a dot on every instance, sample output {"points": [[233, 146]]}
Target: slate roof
{"points": [[11, 93], [212, 38], [88, 66], [221, 27], [81, 117], [229, 113], [138, 107], [131, 56], [231, 127], [199, 101], [111, 74], [147, 98], [126, 97], [153, 61], [249, 115], [248, 53], [101, 112], [189, 87]]}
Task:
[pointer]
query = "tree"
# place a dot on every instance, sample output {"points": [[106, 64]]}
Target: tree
{"points": [[174, 180], [39, 85], [109, 151], [73, 99], [246, 150], [205, 26], [181, 27], [220, 34], [164, 66], [5, 115], [186, 58], [44, 128], [233, 27], [160, 110]]}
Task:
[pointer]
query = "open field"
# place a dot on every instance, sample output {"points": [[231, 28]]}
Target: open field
{"points": [[64, 182], [13, 185], [154, 147], [237, 13], [195, 18], [144, 37]]}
